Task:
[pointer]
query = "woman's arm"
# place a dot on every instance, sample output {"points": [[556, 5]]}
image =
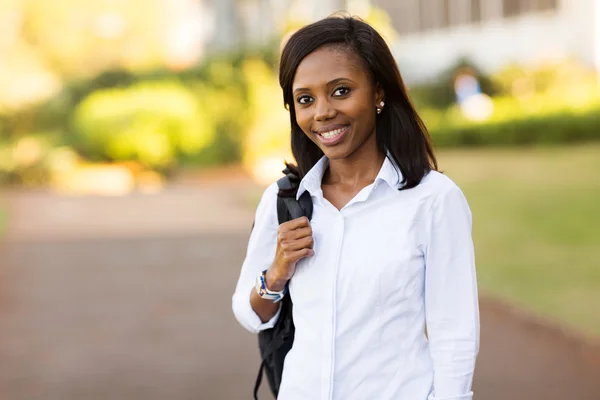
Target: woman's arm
{"points": [[294, 242], [451, 301], [265, 309], [251, 311], [276, 249]]}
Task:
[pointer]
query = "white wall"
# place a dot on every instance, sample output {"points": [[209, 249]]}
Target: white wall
{"points": [[583, 19], [568, 31]]}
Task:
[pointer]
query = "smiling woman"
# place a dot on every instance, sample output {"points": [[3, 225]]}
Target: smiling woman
{"points": [[388, 251], [347, 81], [335, 108]]}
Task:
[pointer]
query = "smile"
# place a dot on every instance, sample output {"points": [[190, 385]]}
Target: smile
{"points": [[333, 136]]}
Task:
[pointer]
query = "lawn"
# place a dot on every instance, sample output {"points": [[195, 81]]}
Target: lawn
{"points": [[3, 218], [536, 227]]}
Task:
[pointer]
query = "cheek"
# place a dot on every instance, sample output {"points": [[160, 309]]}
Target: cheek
{"points": [[303, 119], [361, 113], [370, 117]]}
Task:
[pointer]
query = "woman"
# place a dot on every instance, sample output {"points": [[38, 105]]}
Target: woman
{"points": [[383, 277]]}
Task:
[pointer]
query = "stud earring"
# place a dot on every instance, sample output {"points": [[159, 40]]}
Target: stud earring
{"points": [[380, 108]]}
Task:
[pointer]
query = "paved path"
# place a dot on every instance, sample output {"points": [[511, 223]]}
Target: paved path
{"points": [[107, 298]]}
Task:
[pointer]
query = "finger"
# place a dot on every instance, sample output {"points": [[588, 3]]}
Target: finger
{"points": [[295, 234], [295, 223], [295, 256], [304, 243]]}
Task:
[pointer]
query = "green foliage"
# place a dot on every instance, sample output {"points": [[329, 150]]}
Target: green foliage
{"points": [[559, 76], [27, 159], [162, 118], [269, 122], [559, 128], [150, 122], [229, 109], [542, 119]]}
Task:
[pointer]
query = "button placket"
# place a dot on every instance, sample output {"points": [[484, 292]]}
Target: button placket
{"points": [[340, 242]]}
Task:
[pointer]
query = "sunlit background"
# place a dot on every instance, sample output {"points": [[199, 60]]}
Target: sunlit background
{"points": [[136, 137]]}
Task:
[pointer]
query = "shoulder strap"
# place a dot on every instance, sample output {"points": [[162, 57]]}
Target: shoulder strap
{"points": [[259, 379], [288, 207]]}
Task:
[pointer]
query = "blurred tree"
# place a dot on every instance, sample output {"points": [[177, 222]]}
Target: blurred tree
{"points": [[44, 43], [24, 75], [80, 38]]}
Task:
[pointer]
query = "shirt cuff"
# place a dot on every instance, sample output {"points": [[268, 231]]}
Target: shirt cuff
{"points": [[468, 396], [270, 323], [248, 317]]}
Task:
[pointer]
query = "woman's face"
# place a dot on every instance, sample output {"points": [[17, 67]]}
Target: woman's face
{"points": [[335, 101]]}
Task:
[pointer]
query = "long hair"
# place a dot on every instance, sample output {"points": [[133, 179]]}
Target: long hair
{"points": [[399, 129]]}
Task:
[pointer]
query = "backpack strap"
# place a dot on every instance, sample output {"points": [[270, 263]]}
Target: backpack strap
{"points": [[307, 205], [258, 380], [287, 206]]}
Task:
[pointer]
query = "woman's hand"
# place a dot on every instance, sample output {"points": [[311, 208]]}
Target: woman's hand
{"points": [[294, 242]]}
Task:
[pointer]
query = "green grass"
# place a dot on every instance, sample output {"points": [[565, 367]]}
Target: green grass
{"points": [[536, 227], [3, 220]]}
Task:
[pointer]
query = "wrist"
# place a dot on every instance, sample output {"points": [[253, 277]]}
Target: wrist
{"points": [[274, 281]]}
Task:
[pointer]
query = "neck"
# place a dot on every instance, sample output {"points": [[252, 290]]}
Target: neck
{"points": [[358, 169]]}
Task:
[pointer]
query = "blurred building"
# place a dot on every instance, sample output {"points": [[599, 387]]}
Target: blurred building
{"points": [[435, 34], [256, 22]]}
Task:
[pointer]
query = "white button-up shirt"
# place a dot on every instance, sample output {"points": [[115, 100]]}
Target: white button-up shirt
{"points": [[385, 266]]}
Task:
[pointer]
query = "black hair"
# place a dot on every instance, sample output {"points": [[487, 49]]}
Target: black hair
{"points": [[399, 129]]}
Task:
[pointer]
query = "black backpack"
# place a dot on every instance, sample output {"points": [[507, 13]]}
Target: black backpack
{"points": [[275, 343]]}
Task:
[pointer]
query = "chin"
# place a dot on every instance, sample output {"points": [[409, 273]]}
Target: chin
{"points": [[336, 154]]}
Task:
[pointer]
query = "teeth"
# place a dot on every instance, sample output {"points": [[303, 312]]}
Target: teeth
{"points": [[332, 134]]}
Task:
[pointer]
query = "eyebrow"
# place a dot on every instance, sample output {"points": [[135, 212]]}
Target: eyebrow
{"points": [[332, 82]]}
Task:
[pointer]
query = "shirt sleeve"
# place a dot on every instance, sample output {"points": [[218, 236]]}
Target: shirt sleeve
{"points": [[451, 301], [259, 256]]}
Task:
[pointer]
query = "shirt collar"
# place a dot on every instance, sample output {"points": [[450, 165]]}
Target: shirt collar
{"points": [[389, 173], [312, 180]]}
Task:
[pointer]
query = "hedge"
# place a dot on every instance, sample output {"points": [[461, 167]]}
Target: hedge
{"points": [[556, 128]]}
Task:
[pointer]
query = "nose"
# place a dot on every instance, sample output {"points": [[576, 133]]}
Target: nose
{"points": [[324, 110]]}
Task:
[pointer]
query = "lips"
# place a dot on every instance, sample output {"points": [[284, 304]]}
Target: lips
{"points": [[333, 135]]}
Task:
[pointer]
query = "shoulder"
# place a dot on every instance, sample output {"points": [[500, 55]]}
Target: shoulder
{"points": [[436, 185], [443, 192], [269, 196], [268, 199], [271, 190], [445, 195], [265, 216], [436, 182]]}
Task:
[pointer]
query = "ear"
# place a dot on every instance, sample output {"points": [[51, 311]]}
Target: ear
{"points": [[379, 94]]}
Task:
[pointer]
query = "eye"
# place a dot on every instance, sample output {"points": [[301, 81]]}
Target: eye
{"points": [[341, 91], [304, 99]]}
